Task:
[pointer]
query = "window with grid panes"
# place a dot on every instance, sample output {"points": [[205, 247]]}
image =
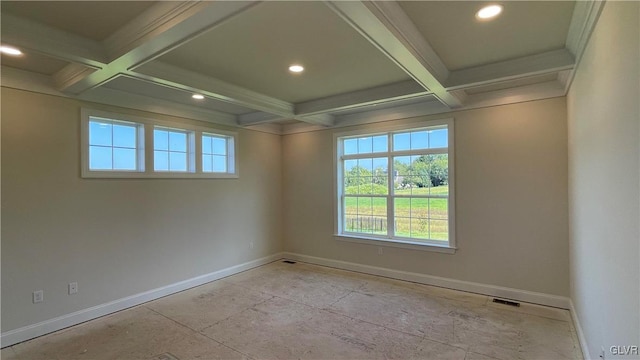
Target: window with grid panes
{"points": [[395, 186]]}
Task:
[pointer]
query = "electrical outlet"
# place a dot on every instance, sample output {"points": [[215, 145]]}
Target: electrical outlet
{"points": [[379, 250], [73, 288], [38, 296]]}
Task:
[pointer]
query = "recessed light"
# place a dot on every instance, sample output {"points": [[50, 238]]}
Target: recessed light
{"points": [[10, 50], [489, 12], [197, 96], [296, 68]]}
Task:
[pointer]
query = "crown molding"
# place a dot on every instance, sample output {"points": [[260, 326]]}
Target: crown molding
{"points": [[538, 64]]}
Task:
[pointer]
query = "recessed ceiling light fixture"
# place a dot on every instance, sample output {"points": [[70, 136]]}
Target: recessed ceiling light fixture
{"points": [[489, 12], [296, 69], [10, 50], [197, 96]]}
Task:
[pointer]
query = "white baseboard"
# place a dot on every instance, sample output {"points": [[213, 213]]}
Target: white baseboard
{"points": [[484, 289], [581, 339], [32, 331]]}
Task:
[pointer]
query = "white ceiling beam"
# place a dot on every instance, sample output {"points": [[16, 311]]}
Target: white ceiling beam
{"points": [[356, 99], [389, 28], [258, 117], [176, 77], [32, 36], [163, 27], [539, 64]]}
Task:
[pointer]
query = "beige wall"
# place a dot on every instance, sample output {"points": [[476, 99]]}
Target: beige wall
{"points": [[511, 206], [117, 237], [604, 182]]}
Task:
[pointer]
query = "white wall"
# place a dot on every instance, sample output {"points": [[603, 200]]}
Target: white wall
{"points": [[604, 182], [511, 200], [118, 237]]}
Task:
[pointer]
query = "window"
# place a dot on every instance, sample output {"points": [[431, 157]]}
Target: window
{"points": [[117, 146], [216, 153], [172, 150], [395, 186]]}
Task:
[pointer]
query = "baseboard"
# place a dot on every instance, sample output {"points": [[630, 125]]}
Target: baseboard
{"points": [[581, 339], [32, 331], [478, 288]]}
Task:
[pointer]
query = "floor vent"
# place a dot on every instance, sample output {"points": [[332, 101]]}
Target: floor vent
{"points": [[288, 261], [506, 302]]}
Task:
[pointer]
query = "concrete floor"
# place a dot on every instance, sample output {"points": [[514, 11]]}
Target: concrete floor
{"points": [[301, 311]]}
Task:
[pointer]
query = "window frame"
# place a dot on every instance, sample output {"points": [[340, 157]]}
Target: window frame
{"points": [[386, 240], [147, 148]]}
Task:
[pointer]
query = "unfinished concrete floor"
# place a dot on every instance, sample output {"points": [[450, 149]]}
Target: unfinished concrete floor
{"points": [[302, 311]]}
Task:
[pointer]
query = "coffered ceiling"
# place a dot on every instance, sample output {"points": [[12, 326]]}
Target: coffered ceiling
{"points": [[364, 61]]}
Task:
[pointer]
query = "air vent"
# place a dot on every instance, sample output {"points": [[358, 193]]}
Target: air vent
{"points": [[288, 262], [506, 302]]}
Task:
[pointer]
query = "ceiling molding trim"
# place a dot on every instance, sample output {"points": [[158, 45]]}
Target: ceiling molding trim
{"points": [[176, 77], [33, 36], [361, 98], [583, 22], [534, 92], [383, 25], [257, 117], [267, 128], [539, 64], [28, 81], [71, 74], [326, 120], [182, 28], [162, 15]]}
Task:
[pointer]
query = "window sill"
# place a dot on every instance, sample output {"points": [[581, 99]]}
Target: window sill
{"points": [[155, 175], [412, 245]]}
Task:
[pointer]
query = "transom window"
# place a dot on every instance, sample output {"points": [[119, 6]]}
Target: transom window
{"points": [[395, 186], [171, 150], [114, 145], [117, 146]]}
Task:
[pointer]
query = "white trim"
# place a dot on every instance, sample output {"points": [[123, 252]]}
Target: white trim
{"points": [[412, 245], [468, 286], [12, 337], [576, 324]]}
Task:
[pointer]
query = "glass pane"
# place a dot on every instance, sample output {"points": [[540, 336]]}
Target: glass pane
{"points": [[439, 229], [440, 190], [351, 205], [177, 141], [350, 146], [219, 163], [161, 161], [420, 228], [124, 159], [419, 140], [438, 208], [402, 226], [379, 206], [380, 143], [379, 225], [207, 162], [160, 140], [365, 167], [365, 145], [401, 141], [419, 208], [206, 145], [349, 165], [124, 136], [100, 158], [364, 206], [439, 170], [177, 161], [402, 206], [219, 146], [438, 138], [99, 133]]}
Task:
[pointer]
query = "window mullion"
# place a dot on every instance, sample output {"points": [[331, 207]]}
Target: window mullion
{"points": [[390, 187]]}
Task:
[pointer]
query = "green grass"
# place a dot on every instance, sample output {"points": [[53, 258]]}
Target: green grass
{"points": [[415, 217]]}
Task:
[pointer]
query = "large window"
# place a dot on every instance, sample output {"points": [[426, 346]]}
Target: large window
{"points": [[396, 186], [116, 145]]}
